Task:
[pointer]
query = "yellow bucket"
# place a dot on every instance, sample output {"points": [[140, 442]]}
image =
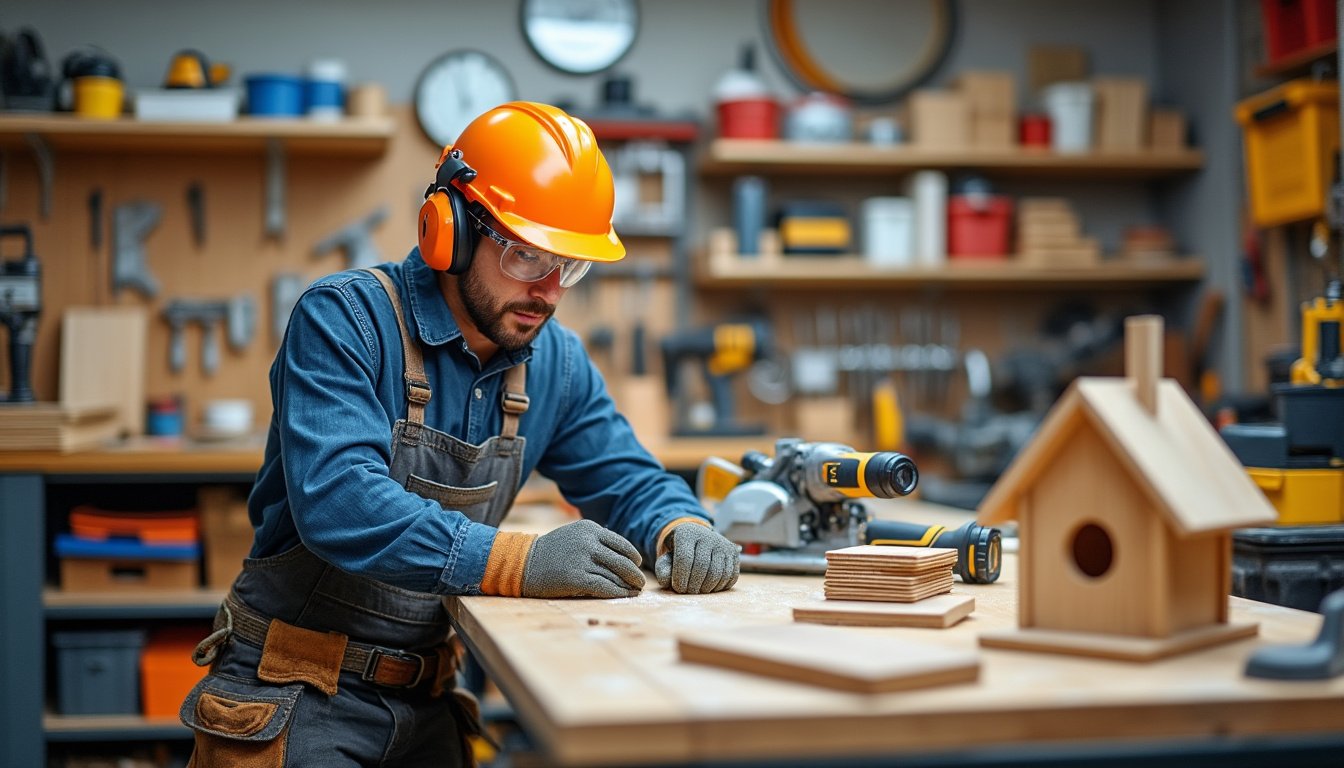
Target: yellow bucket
{"points": [[98, 97]]}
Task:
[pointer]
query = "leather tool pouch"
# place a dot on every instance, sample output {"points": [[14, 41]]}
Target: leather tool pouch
{"points": [[294, 654], [239, 725]]}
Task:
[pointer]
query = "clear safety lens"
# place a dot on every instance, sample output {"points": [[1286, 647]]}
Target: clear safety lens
{"points": [[530, 264]]}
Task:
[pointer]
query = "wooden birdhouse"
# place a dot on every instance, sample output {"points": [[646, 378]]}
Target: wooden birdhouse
{"points": [[1125, 501]]}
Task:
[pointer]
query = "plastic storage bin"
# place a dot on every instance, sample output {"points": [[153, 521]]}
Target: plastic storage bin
{"points": [[1290, 135], [274, 95], [979, 226], [1295, 566], [167, 673], [98, 673], [1294, 25]]}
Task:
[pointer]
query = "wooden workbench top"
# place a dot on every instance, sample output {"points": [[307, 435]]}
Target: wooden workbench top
{"points": [[598, 682]]}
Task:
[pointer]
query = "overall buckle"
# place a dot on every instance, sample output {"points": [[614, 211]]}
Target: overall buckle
{"points": [[376, 655], [516, 402], [418, 392]]}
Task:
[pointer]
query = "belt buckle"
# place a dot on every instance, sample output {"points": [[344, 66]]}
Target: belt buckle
{"points": [[377, 654]]}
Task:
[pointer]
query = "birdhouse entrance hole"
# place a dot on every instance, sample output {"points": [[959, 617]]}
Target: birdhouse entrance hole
{"points": [[1092, 550]]}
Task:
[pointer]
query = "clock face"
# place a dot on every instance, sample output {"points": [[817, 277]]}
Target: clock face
{"points": [[580, 36], [456, 88]]}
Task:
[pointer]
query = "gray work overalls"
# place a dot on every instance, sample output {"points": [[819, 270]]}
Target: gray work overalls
{"points": [[294, 631]]}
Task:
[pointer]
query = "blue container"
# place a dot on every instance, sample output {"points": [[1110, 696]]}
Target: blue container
{"points": [[324, 98], [98, 673], [275, 95]]}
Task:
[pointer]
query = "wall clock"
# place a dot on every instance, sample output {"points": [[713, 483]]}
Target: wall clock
{"points": [[457, 87], [580, 36]]}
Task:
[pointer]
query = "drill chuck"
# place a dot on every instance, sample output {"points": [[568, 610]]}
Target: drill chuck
{"points": [[890, 474]]}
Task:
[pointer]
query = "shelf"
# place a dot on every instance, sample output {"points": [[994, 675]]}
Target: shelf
{"points": [[853, 272], [145, 456], [141, 604], [362, 136], [79, 728], [735, 156], [1299, 62]]}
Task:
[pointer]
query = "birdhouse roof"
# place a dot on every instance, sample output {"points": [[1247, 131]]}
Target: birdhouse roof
{"points": [[1174, 456]]}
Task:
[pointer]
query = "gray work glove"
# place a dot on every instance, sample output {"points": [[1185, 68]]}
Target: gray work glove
{"points": [[698, 560], [582, 559]]}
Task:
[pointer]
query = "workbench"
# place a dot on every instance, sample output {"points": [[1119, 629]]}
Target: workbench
{"points": [[598, 682]]}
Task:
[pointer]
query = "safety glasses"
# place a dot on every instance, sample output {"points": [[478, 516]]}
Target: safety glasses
{"points": [[529, 263]]}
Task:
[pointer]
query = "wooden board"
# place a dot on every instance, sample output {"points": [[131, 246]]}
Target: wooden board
{"points": [[936, 612], [598, 682], [888, 594], [892, 557], [103, 361], [840, 658], [1117, 646]]}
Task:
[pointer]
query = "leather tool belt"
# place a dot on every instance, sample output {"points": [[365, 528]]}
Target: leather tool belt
{"points": [[388, 667]]}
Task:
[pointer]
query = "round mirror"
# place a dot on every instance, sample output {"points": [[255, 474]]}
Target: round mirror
{"points": [[869, 51], [580, 36]]}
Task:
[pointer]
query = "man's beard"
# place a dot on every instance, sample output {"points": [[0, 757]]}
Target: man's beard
{"points": [[489, 319]]}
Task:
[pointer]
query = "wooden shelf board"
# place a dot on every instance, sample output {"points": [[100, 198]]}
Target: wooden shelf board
{"points": [[363, 136], [69, 728], [853, 272], [732, 156], [142, 456], [148, 598], [1299, 61]]}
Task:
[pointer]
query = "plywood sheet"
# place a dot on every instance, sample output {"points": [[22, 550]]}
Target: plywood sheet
{"points": [[103, 361], [934, 613], [830, 656]]}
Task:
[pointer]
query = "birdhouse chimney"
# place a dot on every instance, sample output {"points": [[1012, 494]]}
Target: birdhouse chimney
{"points": [[1143, 358]]}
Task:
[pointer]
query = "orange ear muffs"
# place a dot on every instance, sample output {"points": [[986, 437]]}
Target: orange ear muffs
{"points": [[445, 232]]}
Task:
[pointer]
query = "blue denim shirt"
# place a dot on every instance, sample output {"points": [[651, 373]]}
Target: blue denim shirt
{"points": [[337, 390]]}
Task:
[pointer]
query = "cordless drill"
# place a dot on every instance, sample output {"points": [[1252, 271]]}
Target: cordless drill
{"points": [[801, 503], [20, 306]]}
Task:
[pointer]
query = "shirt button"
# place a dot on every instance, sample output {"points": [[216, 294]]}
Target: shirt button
{"points": [[478, 393]]}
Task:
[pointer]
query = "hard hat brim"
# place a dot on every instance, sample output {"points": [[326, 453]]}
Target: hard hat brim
{"points": [[605, 247]]}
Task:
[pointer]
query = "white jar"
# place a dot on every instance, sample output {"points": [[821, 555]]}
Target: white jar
{"points": [[1070, 108], [888, 226], [928, 190]]}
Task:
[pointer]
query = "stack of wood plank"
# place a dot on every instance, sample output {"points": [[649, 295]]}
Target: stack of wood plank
{"points": [[888, 573], [1049, 234], [55, 427]]}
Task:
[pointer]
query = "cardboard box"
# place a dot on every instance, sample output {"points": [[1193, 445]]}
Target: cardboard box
{"points": [[990, 92], [994, 131], [940, 119], [226, 532], [1122, 113], [1048, 64], [1166, 130]]}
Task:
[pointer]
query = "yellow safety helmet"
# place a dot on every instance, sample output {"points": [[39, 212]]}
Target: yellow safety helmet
{"points": [[538, 171]]}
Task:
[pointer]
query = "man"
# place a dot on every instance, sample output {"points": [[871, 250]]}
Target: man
{"points": [[411, 402]]}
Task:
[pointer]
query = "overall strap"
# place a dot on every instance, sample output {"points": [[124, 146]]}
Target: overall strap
{"points": [[417, 386], [515, 399]]}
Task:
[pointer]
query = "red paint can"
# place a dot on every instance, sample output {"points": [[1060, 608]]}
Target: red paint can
{"points": [[1034, 130]]}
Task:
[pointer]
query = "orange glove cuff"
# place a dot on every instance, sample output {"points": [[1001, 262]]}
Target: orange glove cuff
{"points": [[504, 570], [667, 529]]}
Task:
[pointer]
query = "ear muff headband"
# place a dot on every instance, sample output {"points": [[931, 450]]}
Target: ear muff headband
{"points": [[445, 234]]}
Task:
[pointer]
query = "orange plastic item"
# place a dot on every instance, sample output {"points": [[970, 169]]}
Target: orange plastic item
{"points": [[147, 527], [167, 673], [542, 175]]}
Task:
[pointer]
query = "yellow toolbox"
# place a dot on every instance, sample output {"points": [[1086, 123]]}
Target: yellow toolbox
{"points": [[1291, 135], [1303, 496]]}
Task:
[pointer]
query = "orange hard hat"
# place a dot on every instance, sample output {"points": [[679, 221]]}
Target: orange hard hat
{"points": [[539, 173]]}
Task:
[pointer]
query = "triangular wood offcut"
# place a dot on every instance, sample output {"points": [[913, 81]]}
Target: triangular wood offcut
{"points": [[834, 657], [938, 612]]}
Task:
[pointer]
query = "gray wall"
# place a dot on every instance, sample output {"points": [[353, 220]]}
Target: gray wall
{"points": [[1184, 49]]}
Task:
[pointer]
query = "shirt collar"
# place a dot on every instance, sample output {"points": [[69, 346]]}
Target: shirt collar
{"points": [[433, 320]]}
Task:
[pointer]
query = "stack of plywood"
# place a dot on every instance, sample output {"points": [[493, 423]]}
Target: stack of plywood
{"points": [[1049, 234], [887, 573], [55, 427]]}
